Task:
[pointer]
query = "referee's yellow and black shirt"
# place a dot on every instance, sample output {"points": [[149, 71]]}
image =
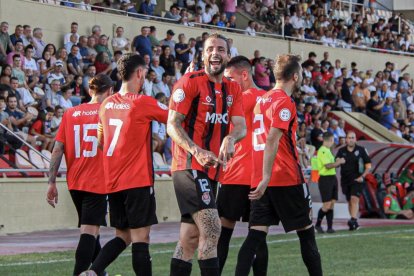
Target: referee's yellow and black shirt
{"points": [[324, 157]]}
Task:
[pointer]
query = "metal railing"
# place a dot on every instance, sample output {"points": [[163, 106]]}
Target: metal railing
{"points": [[139, 16]]}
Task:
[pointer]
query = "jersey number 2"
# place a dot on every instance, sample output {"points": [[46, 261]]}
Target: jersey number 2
{"points": [[257, 132]]}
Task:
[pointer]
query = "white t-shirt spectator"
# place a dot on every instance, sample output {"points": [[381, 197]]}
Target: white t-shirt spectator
{"points": [[234, 52], [148, 85], [162, 87], [337, 72], [30, 64], [297, 22], [250, 31], [356, 79], [65, 104], [206, 17], [67, 38], [159, 129], [119, 42]]}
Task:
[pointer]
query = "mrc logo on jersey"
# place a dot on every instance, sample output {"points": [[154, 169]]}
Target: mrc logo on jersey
{"points": [[215, 118]]}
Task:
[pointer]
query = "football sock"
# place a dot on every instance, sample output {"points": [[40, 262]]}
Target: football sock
{"points": [[97, 248], [209, 267], [84, 253], [261, 260], [321, 214], [108, 254], [310, 252], [141, 260], [246, 254], [329, 218], [180, 267], [223, 246]]}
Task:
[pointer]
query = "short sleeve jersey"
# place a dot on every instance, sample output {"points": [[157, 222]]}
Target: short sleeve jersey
{"points": [[239, 168], [207, 107], [325, 157], [276, 110], [78, 133], [354, 162], [125, 122]]}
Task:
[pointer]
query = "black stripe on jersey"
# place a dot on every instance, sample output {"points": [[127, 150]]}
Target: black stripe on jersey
{"points": [[224, 127], [210, 126], [292, 149], [191, 123], [197, 75]]}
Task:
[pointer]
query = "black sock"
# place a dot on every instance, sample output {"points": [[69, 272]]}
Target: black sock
{"points": [[261, 260], [223, 246], [84, 253], [141, 259], [108, 254], [310, 253], [248, 250], [209, 267], [321, 214], [180, 267], [97, 248], [329, 218]]}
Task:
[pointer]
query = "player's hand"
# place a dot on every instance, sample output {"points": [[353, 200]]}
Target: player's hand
{"points": [[340, 160], [206, 158], [260, 190], [52, 195], [359, 179], [226, 151]]}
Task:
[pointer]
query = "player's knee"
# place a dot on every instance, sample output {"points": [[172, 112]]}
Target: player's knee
{"points": [[212, 231], [124, 235]]}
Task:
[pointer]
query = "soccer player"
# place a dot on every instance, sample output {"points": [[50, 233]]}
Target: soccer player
{"points": [[357, 165], [77, 139], [202, 106], [125, 133], [233, 201], [328, 184], [276, 164]]}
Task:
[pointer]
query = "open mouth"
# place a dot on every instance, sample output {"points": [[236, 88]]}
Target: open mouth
{"points": [[215, 62]]}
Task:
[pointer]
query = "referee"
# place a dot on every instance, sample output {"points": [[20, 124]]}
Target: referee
{"points": [[328, 184]]}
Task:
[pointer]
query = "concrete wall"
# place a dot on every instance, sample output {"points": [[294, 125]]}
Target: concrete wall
{"points": [[23, 206]]}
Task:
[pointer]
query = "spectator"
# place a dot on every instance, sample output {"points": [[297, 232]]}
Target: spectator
{"points": [[168, 41], [147, 8], [162, 86], [5, 136], [102, 46], [85, 58], [141, 44], [72, 41], [387, 113], [288, 29], [159, 70], [42, 129], [103, 63], [374, 107], [250, 29], [38, 43], [229, 8], [345, 101], [64, 98], [27, 35], [17, 71], [85, 5], [207, 14], [392, 206], [45, 64], [360, 96], [167, 60], [182, 52], [73, 31], [231, 23], [18, 34], [261, 74], [92, 53], [192, 44], [90, 73], [149, 82], [62, 55], [56, 74], [6, 44], [233, 50], [173, 13], [73, 63], [57, 119], [400, 107], [14, 86], [51, 98], [78, 89], [153, 36], [96, 32], [317, 135], [120, 43], [159, 133], [29, 64], [18, 50]]}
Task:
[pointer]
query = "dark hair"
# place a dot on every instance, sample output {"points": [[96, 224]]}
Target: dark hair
{"points": [[373, 93], [100, 83], [152, 28], [159, 95], [2, 98], [127, 65], [219, 36], [240, 62], [58, 107], [49, 109], [327, 135], [47, 46], [4, 67], [11, 96], [117, 53], [16, 56], [74, 23], [13, 78], [286, 66]]}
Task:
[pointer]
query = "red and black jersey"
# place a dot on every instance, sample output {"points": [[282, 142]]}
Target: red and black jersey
{"points": [[277, 110], [208, 107]]}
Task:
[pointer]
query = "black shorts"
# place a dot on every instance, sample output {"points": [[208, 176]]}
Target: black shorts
{"points": [[292, 205], [132, 208], [195, 191], [328, 187], [91, 207], [352, 188], [233, 202]]}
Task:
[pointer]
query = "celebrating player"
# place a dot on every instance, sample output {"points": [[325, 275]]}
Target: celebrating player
{"points": [[201, 107], [233, 201], [77, 139], [276, 165], [125, 132]]}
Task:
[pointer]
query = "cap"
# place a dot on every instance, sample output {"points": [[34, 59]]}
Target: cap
{"points": [[59, 63], [170, 32]]}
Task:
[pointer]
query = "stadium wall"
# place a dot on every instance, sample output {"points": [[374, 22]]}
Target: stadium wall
{"points": [[55, 21], [23, 206]]}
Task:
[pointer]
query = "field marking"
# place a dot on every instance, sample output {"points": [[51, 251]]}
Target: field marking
{"points": [[318, 237]]}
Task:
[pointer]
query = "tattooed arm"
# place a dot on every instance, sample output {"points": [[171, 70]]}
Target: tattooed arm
{"points": [[52, 192]]}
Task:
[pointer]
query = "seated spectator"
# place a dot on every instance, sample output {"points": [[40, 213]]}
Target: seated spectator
{"points": [[73, 31], [89, 74], [38, 43], [231, 23], [159, 133], [92, 53], [167, 60], [163, 86], [57, 73], [250, 29], [78, 89], [51, 98], [29, 64], [207, 15], [103, 63], [120, 43], [62, 55], [65, 98], [173, 13], [149, 83], [72, 41], [83, 54], [147, 8], [374, 107], [102, 46], [159, 70], [73, 63], [261, 74], [57, 119], [5, 42], [13, 86], [18, 50], [5, 136], [392, 206], [168, 41], [42, 129], [46, 63], [17, 71], [18, 34]]}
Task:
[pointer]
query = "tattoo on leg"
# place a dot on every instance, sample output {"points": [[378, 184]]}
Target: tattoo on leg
{"points": [[179, 251], [208, 223]]}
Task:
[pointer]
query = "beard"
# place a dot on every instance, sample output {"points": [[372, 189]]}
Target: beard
{"points": [[215, 71]]}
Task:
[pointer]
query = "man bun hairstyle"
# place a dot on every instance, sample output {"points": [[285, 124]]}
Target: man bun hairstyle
{"points": [[127, 65], [100, 83], [286, 66]]}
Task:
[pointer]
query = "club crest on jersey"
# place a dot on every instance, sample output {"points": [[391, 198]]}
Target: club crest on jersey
{"points": [[357, 153], [206, 198], [229, 100], [208, 99], [178, 96], [76, 114], [162, 106], [284, 114]]}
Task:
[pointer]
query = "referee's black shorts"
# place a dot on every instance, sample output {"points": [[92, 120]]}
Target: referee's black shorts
{"points": [[351, 188], [291, 205], [91, 207], [328, 187], [233, 202]]}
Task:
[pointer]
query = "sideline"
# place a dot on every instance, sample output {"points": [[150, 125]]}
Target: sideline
{"points": [[318, 237]]}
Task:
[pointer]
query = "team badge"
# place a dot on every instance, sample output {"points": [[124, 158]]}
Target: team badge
{"points": [[208, 99], [284, 114], [178, 96], [206, 198], [229, 100], [162, 106], [357, 153]]}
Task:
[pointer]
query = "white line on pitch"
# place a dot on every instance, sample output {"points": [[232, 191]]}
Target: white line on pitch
{"points": [[318, 237]]}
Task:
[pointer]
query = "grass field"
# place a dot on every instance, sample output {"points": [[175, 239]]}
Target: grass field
{"points": [[370, 251]]}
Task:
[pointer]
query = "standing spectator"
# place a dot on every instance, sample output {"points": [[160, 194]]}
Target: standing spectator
{"points": [[345, 101], [102, 46], [328, 184], [153, 36], [261, 74], [229, 8], [6, 44], [18, 34], [182, 52], [149, 83], [317, 135], [38, 43], [387, 113], [85, 5], [147, 8], [73, 63], [167, 60], [374, 107], [233, 50], [162, 86], [141, 43], [27, 35], [288, 29], [400, 107], [360, 96], [250, 29], [73, 31], [192, 44], [168, 41], [155, 66], [173, 13], [352, 176], [120, 43], [207, 15]]}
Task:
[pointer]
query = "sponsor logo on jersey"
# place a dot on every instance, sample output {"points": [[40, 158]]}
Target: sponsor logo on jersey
{"points": [[264, 100], [258, 99], [85, 113], [206, 198], [162, 106], [217, 91], [284, 114], [178, 96], [121, 106], [76, 114], [229, 100], [215, 118]]}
